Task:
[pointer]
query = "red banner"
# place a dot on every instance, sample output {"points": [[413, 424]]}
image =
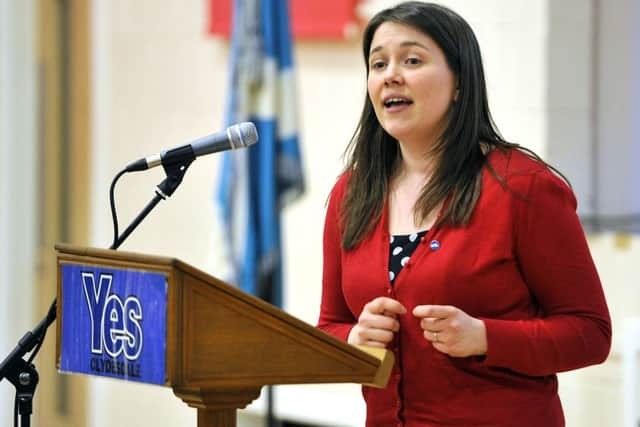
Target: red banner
{"points": [[310, 19]]}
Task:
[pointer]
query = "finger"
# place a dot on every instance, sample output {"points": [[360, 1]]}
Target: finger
{"points": [[432, 323], [379, 321], [438, 311], [390, 314], [436, 337], [379, 335], [384, 304]]}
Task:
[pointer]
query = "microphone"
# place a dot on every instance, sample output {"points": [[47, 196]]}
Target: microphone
{"points": [[237, 136]]}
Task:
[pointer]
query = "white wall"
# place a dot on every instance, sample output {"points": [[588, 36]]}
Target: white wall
{"points": [[618, 108], [18, 180], [570, 81], [159, 81]]}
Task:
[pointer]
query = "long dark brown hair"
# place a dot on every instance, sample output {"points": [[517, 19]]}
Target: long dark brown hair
{"points": [[372, 154]]}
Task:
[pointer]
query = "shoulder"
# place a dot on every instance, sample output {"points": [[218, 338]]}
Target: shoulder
{"points": [[340, 188], [333, 217], [512, 162], [515, 170]]}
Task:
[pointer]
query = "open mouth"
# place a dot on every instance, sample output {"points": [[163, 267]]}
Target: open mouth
{"points": [[392, 102]]}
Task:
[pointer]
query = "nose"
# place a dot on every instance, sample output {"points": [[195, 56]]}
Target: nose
{"points": [[392, 75]]}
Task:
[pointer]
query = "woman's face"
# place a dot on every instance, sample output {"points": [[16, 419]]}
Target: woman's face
{"points": [[410, 84]]}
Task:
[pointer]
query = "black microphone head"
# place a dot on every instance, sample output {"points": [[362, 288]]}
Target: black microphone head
{"points": [[242, 135]]}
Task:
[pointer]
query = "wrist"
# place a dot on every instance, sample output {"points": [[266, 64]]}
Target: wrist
{"points": [[481, 333]]}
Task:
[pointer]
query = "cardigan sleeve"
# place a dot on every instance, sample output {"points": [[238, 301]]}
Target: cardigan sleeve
{"points": [[573, 326], [335, 316]]}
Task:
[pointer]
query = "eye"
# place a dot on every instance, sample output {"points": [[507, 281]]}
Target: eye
{"points": [[413, 61], [376, 65]]}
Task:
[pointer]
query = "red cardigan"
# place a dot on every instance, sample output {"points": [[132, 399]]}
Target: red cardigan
{"points": [[522, 264]]}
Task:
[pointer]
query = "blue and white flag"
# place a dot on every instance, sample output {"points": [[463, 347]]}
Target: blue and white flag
{"points": [[258, 182]]}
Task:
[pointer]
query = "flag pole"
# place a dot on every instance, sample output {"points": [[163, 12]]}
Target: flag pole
{"points": [[266, 293]]}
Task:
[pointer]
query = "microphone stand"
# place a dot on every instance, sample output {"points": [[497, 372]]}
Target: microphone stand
{"points": [[23, 374], [175, 172]]}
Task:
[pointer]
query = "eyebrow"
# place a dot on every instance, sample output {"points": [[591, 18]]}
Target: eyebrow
{"points": [[403, 44]]}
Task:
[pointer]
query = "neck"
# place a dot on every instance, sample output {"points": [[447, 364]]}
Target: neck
{"points": [[415, 162], [418, 156]]}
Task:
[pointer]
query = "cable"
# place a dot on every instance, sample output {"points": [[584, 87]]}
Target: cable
{"points": [[114, 215]]}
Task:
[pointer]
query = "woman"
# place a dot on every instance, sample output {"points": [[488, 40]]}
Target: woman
{"points": [[460, 252]]}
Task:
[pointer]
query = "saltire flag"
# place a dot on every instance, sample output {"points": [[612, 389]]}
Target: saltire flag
{"points": [[256, 183]]}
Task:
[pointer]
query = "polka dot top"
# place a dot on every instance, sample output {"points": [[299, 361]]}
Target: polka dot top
{"points": [[401, 246]]}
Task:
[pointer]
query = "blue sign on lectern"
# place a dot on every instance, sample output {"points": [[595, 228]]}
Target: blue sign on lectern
{"points": [[114, 323]]}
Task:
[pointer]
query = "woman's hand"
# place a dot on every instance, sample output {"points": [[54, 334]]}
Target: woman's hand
{"points": [[377, 323], [452, 331]]}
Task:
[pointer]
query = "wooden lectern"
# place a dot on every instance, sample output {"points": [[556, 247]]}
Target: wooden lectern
{"points": [[223, 345]]}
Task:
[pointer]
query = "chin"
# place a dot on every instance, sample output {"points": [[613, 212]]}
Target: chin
{"points": [[398, 132]]}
